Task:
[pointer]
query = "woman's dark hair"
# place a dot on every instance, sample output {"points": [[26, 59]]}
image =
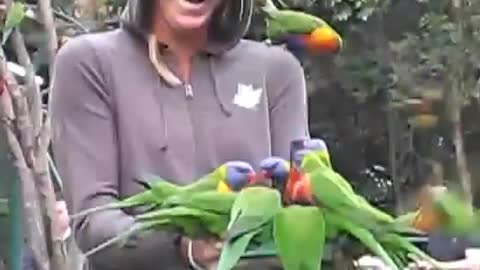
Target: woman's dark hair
{"points": [[144, 13], [231, 19]]}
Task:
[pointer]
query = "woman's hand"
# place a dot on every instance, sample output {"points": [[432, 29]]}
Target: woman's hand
{"points": [[203, 253], [61, 221]]}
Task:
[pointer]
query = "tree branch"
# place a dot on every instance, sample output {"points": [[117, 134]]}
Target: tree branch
{"points": [[49, 25], [31, 206], [34, 143]]}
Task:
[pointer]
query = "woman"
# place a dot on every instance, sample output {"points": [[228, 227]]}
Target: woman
{"points": [[176, 92]]}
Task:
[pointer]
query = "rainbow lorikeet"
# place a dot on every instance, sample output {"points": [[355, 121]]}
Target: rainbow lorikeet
{"points": [[299, 31]]}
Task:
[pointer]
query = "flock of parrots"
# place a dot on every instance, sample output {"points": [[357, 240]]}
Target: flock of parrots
{"points": [[294, 207]]}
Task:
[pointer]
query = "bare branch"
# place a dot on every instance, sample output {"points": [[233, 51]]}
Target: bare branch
{"points": [[31, 206], [34, 142], [49, 24]]}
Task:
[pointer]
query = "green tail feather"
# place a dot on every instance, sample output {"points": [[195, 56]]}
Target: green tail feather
{"points": [[400, 242], [363, 235], [399, 256], [125, 235], [369, 241], [397, 260], [139, 199]]}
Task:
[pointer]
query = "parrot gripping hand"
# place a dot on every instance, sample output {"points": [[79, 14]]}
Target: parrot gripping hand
{"points": [[201, 209]]}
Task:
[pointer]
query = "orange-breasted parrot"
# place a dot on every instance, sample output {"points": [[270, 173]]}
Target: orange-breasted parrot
{"points": [[442, 209], [299, 31], [297, 149], [348, 212], [230, 176], [278, 169]]}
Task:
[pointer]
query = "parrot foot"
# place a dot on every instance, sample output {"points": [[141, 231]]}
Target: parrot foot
{"points": [[268, 42]]}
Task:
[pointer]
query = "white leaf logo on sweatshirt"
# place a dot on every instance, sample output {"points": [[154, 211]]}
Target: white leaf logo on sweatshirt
{"points": [[247, 96]]}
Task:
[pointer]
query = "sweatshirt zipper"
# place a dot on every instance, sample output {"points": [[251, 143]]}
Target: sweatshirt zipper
{"points": [[187, 86]]}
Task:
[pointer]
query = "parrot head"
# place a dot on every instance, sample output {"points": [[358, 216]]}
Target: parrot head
{"points": [[315, 144], [301, 147], [451, 208], [235, 176], [276, 169], [297, 188]]}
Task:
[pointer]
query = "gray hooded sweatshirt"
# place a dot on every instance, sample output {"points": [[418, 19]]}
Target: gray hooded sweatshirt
{"points": [[114, 119]]}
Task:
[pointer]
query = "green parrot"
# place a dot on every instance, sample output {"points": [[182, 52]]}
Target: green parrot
{"points": [[375, 229], [300, 248], [299, 30], [277, 169], [455, 215], [251, 216], [333, 191], [442, 209], [230, 176], [201, 214]]}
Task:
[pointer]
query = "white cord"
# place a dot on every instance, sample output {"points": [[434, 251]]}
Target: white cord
{"points": [[191, 261]]}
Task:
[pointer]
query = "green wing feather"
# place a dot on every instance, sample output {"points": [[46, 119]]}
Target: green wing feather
{"points": [[299, 233], [282, 22]]}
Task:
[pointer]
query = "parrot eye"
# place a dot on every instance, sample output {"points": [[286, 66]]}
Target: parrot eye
{"points": [[299, 155], [244, 170], [237, 180], [271, 163]]}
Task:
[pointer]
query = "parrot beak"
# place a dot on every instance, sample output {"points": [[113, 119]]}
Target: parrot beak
{"points": [[252, 178], [266, 174], [259, 180]]}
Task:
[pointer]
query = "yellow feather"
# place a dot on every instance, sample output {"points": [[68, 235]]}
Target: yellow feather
{"points": [[223, 188]]}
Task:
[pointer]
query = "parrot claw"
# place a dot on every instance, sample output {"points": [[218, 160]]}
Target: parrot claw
{"points": [[268, 42], [143, 183]]}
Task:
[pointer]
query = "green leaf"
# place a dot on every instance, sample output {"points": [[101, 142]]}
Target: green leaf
{"points": [[14, 18]]}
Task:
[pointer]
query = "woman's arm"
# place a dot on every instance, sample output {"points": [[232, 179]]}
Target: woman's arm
{"points": [[86, 153], [287, 98]]}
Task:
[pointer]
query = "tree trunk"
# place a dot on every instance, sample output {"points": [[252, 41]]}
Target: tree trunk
{"points": [[460, 8], [463, 173]]}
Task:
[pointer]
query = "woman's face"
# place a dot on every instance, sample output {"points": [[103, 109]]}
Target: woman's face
{"points": [[185, 15]]}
